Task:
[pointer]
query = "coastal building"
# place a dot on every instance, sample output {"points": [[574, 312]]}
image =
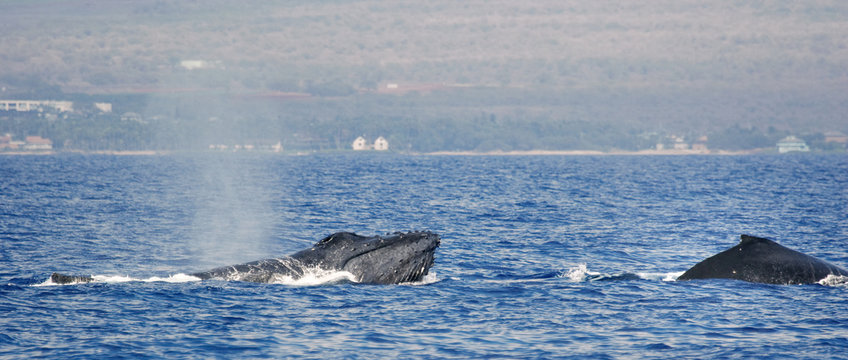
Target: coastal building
{"points": [[790, 144], [258, 145], [31, 143], [36, 105], [360, 144], [679, 143], [38, 143], [201, 64], [836, 137], [6, 143], [132, 116], [701, 144], [381, 144], [103, 106]]}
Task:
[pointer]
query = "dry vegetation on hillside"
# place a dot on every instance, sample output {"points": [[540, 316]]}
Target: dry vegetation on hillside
{"points": [[83, 45], [507, 75]]}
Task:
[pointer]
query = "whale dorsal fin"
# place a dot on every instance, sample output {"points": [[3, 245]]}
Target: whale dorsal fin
{"points": [[749, 240], [761, 260]]}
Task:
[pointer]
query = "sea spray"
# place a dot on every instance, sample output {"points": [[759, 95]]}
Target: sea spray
{"points": [[232, 217]]}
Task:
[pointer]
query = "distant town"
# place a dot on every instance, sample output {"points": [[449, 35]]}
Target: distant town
{"points": [[80, 124], [427, 77]]}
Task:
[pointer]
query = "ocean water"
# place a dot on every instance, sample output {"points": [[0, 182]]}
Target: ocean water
{"points": [[541, 256]]}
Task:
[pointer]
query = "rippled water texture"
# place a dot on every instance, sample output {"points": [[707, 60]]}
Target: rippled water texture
{"points": [[541, 256]]}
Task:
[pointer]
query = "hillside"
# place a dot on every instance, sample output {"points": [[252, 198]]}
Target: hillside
{"points": [[683, 67], [83, 45]]}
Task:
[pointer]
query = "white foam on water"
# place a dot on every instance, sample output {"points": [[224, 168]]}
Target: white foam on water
{"points": [[315, 277], [670, 276], [178, 278], [428, 279], [311, 277], [835, 280], [113, 279], [580, 273]]}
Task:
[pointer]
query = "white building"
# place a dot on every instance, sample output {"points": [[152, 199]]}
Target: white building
{"points": [[103, 107], [381, 144], [201, 64], [36, 105], [38, 143], [360, 144], [680, 144], [791, 143]]}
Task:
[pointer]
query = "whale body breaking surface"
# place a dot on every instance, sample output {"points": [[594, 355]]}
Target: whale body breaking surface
{"points": [[761, 260], [407, 258], [390, 259]]}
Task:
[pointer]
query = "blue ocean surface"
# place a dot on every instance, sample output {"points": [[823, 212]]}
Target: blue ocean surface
{"points": [[541, 256]]}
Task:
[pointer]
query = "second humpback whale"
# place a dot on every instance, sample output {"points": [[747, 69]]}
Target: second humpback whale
{"points": [[762, 260], [390, 259]]}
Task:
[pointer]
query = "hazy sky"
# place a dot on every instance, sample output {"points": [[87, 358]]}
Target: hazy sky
{"points": [[553, 43]]}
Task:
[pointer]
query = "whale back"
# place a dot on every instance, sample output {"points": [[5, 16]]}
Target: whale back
{"points": [[762, 260], [390, 259]]}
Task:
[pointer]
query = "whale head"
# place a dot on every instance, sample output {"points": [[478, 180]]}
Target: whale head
{"points": [[389, 259]]}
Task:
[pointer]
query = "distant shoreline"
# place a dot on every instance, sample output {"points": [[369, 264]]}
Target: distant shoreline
{"points": [[434, 153], [105, 152], [593, 152]]}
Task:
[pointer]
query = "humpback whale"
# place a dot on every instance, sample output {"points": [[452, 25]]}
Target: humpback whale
{"points": [[390, 259], [762, 260]]}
